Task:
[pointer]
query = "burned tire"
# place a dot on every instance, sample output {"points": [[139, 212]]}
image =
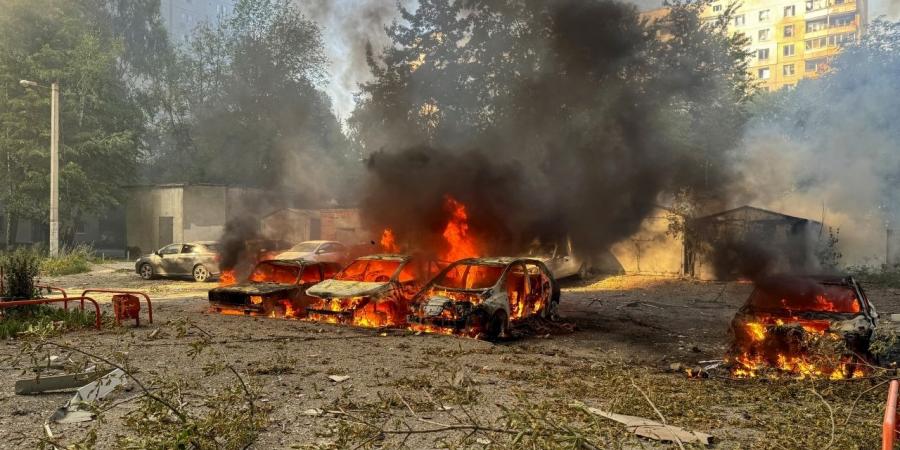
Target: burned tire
{"points": [[498, 327], [200, 273], [146, 271], [476, 323]]}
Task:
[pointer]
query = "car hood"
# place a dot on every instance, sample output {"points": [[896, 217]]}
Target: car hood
{"points": [[254, 288], [294, 255], [342, 288]]}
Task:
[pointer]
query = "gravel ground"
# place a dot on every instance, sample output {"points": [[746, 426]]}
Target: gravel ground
{"points": [[627, 331]]}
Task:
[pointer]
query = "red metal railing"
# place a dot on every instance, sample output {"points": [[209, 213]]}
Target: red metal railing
{"points": [[41, 301], [113, 291], [65, 295], [889, 426]]}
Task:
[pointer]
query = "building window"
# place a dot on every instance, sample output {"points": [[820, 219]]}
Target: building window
{"points": [[717, 8], [815, 65], [790, 11], [788, 50], [838, 2], [739, 20], [764, 73], [815, 44], [841, 39], [762, 54], [764, 15], [816, 25], [842, 21], [809, 6], [788, 31], [787, 70], [764, 35]]}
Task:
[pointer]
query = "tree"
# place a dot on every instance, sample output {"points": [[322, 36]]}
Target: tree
{"points": [[101, 121], [247, 107]]}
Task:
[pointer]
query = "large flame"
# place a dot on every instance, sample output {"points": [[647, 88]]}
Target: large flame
{"points": [[227, 278], [460, 244], [389, 242]]}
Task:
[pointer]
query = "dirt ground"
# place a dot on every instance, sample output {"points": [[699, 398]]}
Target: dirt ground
{"points": [[628, 330]]}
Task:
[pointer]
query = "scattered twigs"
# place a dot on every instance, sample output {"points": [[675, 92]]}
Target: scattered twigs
{"points": [[247, 394], [830, 415]]}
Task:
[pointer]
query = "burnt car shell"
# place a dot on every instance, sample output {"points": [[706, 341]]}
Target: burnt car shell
{"points": [[383, 283], [508, 290], [263, 297], [853, 319]]}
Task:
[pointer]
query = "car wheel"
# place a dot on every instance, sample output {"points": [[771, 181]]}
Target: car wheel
{"points": [[146, 271], [200, 273], [476, 323], [584, 272], [498, 327]]}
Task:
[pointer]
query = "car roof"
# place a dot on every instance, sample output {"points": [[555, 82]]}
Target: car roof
{"points": [[288, 262], [385, 257], [319, 242], [497, 260]]}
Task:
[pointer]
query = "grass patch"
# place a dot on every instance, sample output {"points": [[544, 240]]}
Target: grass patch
{"points": [[71, 260], [43, 320]]}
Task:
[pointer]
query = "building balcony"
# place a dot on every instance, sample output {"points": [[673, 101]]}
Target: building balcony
{"points": [[843, 8]]}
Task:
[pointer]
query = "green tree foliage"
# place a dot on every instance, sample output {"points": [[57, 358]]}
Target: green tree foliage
{"points": [[244, 105], [76, 44]]}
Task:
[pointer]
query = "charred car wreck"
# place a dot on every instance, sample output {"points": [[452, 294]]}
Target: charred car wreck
{"points": [[274, 288], [809, 326], [373, 291], [484, 297]]}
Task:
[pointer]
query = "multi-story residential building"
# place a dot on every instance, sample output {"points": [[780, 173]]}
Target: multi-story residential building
{"points": [[790, 39], [182, 16]]}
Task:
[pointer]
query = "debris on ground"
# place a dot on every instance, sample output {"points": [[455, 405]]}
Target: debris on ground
{"points": [[78, 409], [652, 429]]}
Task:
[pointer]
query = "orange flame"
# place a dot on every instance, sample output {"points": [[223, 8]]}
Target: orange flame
{"points": [[460, 244], [227, 278], [388, 242]]}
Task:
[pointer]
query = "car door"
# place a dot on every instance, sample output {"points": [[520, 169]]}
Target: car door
{"points": [[168, 259], [328, 252], [188, 258]]}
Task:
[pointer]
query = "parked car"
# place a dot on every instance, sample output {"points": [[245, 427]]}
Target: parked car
{"points": [[788, 321], [372, 291], [321, 251], [274, 287], [198, 260], [486, 296], [561, 260]]}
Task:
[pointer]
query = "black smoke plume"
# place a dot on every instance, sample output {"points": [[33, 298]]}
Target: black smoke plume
{"points": [[583, 145]]}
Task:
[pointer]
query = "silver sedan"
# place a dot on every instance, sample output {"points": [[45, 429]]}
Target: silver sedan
{"points": [[198, 260]]}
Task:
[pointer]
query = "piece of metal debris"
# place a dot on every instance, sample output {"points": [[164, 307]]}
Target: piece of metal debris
{"points": [[338, 378], [72, 411], [650, 428], [40, 385]]}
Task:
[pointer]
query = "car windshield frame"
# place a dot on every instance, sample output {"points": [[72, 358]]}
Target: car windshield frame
{"points": [[400, 265], [297, 268], [443, 275], [304, 247]]}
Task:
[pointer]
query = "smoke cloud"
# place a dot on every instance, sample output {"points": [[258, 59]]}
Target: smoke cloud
{"points": [[828, 151], [583, 147]]}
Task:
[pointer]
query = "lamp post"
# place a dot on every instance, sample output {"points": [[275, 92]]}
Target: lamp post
{"points": [[54, 163]]}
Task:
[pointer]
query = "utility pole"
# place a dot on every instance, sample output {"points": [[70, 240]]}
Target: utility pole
{"points": [[54, 162], [54, 170]]}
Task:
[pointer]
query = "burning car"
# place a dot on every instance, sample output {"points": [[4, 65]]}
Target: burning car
{"points": [[805, 327], [485, 296], [325, 251], [274, 288], [373, 291]]}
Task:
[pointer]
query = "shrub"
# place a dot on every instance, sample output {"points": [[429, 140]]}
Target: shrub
{"points": [[19, 269], [44, 320], [71, 260]]}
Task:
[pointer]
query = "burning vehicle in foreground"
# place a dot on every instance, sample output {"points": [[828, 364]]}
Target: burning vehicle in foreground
{"points": [[373, 291], [803, 327], [485, 297], [275, 288]]}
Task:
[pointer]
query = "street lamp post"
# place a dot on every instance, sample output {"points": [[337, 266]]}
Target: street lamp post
{"points": [[54, 163]]}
